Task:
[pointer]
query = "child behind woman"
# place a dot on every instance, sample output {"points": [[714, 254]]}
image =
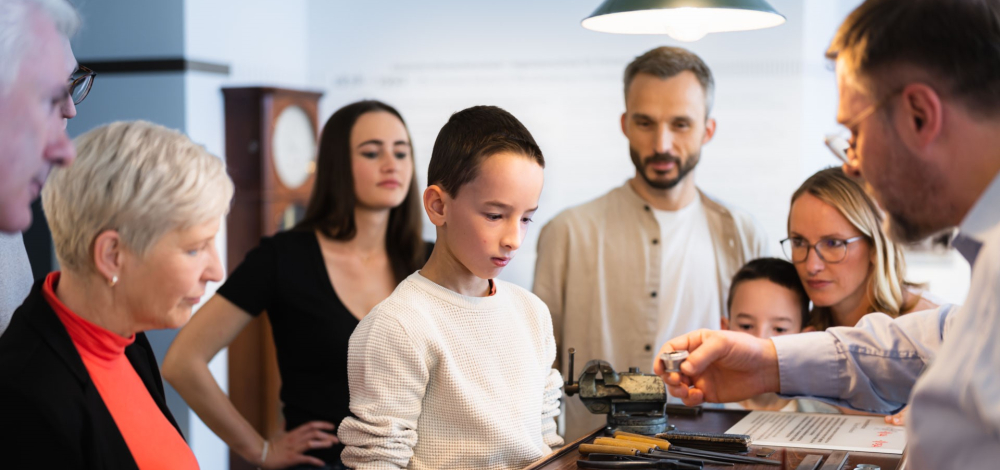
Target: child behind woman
{"points": [[454, 369], [766, 299]]}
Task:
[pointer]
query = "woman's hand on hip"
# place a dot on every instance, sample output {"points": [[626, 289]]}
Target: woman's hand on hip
{"points": [[288, 448]]}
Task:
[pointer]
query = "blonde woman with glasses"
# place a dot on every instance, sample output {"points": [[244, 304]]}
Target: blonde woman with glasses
{"points": [[134, 221], [847, 264]]}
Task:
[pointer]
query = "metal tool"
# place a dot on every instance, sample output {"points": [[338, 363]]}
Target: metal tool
{"points": [[621, 458], [638, 464], [661, 446], [659, 454], [695, 453], [717, 442], [596, 449], [634, 402], [867, 466], [672, 360], [835, 461], [663, 449], [811, 462]]}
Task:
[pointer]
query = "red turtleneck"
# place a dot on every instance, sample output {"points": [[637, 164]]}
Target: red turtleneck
{"points": [[154, 442]]}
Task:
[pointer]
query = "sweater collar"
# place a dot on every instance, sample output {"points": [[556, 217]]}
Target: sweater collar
{"points": [[452, 297]]}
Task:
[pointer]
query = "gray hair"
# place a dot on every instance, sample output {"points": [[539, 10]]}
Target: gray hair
{"points": [[16, 30], [138, 178], [666, 62]]}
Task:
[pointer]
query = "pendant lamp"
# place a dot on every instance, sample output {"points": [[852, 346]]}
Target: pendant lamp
{"points": [[683, 20]]}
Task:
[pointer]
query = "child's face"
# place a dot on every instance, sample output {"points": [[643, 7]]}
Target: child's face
{"points": [[486, 223], [764, 309]]}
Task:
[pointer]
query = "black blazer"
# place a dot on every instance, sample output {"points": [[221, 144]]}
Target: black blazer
{"points": [[51, 415]]}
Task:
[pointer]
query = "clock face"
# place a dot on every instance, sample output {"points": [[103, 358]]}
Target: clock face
{"points": [[294, 147]]}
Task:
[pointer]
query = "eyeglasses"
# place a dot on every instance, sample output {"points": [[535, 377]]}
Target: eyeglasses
{"points": [[80, 83], [830, 250], [840, 142]]}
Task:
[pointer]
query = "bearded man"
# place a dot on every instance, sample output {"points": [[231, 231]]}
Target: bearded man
{"points": [[653, 258]]}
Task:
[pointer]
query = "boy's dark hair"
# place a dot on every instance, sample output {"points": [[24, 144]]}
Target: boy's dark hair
{"points": [[470, 136], [778, 271]]}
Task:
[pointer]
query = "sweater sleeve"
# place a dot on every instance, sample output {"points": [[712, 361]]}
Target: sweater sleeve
{"points": [[550, 409], [387, 376], [551, 406]]}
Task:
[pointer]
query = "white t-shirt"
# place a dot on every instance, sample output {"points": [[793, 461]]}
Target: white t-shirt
{"points": [[689, 292]]}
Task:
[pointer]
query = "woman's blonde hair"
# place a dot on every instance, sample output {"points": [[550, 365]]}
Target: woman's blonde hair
{"points": [[887, 284], [138, 178]]}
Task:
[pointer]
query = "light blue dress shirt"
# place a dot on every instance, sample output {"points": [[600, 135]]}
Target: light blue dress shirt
{"points": [[948, 357]]}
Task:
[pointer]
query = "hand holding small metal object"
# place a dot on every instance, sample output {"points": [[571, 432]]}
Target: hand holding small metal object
{"points": [[672, 360]]}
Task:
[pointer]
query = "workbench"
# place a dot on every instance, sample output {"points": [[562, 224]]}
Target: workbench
{"points": [[719, 421]]}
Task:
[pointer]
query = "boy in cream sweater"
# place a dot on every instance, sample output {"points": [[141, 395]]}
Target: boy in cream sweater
{"points": [[454, 369]]}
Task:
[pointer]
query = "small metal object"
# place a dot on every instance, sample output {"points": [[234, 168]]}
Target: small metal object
{"points": [[811, 462], [672, 360], [867, 466], [725, 457]]}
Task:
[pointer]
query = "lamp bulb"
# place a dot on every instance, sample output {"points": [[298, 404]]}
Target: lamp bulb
{"points": [[687, 31]]}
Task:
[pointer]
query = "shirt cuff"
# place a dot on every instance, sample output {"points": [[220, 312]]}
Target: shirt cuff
{"points": [[808, 364]]}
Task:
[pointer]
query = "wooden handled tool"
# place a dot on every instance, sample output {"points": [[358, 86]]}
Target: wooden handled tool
{"points": [[663, 444], [600, 449], [640, 446]]}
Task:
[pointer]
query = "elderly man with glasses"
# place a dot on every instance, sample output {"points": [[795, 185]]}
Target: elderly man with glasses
{"points": [[35, 101]]}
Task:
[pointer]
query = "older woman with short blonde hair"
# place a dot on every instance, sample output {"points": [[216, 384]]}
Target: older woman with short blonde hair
{"points": [[134, 221]]}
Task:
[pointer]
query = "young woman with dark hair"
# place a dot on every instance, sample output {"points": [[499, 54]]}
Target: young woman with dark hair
{"points": [[359, 238]]}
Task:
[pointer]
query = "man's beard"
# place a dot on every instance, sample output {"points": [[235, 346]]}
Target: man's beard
{"points": [[911, 193], [682, 170]]}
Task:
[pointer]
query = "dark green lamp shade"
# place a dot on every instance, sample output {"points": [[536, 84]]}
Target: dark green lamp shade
{"points": [[685, 20]]}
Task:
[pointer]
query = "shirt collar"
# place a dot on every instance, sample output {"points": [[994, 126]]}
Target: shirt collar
{"points": [[985, 213]]}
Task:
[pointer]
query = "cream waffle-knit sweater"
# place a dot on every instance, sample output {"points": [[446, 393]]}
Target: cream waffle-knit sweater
{"points": [[440, 380]]}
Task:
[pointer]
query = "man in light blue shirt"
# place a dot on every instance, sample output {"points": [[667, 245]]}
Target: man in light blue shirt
{"points": [[919, 85]]}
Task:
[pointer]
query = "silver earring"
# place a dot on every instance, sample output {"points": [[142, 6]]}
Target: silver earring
{"points": [[113, 281]]}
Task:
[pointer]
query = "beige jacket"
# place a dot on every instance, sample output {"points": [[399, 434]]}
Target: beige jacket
{"points": [[597, 265]]}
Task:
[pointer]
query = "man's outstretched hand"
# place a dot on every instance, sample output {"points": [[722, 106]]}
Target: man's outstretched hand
{"points": [[723, 366]]}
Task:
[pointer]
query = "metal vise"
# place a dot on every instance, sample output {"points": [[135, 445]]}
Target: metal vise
{"points": [[634, 402]]}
